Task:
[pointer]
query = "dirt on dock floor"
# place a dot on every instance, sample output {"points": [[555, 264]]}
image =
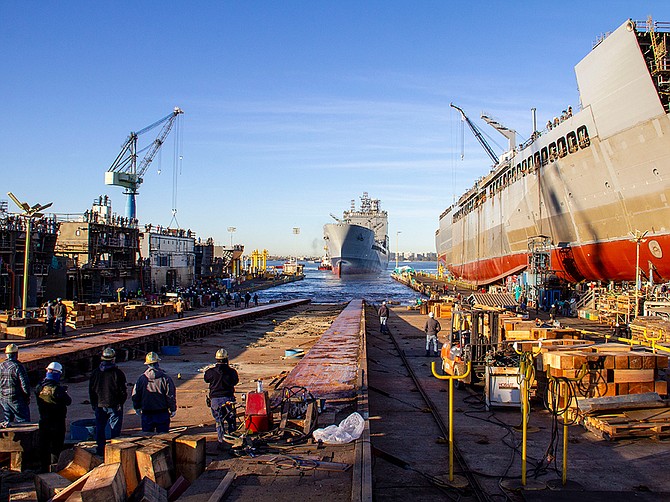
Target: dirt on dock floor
{"points": [[257, 350]]}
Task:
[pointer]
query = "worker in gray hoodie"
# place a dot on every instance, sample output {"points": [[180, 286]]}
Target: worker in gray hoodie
{"points": [[155, 396]]}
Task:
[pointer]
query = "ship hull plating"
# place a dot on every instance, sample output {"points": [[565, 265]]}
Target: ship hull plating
{"points": [[590, 198]]}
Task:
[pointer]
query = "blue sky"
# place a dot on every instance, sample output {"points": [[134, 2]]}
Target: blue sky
{"points": [[292, 108]]}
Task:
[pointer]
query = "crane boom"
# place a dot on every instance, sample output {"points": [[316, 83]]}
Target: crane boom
{"points": [[125, 172], [478, 134]]}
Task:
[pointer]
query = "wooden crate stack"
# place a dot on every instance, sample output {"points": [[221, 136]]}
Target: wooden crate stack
{"points": [[442, 310], [84, 315], [613, 370], [23, 328], [519, 329], [137, 468], [139, 312]]}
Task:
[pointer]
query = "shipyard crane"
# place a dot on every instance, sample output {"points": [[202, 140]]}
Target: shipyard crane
{"points": [[125, 172], [478, 134]]}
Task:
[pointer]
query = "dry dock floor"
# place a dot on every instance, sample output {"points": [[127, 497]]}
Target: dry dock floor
{"points": [[257, 350], [607, 470]]}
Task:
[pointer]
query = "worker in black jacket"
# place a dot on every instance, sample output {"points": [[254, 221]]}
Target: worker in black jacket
{"points": [[107, 392], [222, 380], [52, 403], [431, 328]]}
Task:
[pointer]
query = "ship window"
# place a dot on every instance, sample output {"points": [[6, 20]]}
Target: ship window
{"points": [[536, 160], [562, 149], [583, 136], [553, 153], [524, 166], [544, 154], [572, 142]]}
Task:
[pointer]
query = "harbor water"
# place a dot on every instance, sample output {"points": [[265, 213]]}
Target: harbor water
{"points": [[322, 286]]}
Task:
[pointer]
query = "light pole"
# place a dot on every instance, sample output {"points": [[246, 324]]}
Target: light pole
{"points": [[397, 238], [232, 231], [29, 212], [637, 238], [296, 231]]}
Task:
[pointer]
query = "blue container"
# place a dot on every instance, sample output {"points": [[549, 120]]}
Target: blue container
{"points": [[84, 430], [171, 350]]}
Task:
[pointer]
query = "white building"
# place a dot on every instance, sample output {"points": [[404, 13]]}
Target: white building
{"points": [[171, 257]]}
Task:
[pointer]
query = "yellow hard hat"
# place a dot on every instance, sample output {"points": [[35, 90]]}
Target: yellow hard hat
{"points": [[12, 348], [108, 354], [222, 354], [152, 358]]}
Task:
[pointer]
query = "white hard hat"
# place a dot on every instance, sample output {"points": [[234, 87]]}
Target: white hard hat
{"points": [[55, 367], [431, 315]]}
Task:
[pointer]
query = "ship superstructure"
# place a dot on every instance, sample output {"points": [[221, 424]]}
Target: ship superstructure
{"points": [[358, 242], [592, 182]]}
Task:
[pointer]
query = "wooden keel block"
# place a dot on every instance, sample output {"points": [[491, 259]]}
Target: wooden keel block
{"points": [[148, 491], [154, 461], [124, 454], [49, 484], [105, 484], [190, 456]]}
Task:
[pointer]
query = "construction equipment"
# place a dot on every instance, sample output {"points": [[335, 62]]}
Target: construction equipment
{"points": [[474, 335], [125, 171]]}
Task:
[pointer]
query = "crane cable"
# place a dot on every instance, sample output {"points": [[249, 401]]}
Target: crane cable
{"points": [[177, 159]]}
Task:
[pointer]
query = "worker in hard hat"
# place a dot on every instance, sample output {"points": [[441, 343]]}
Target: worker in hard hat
{"points": [[431, 328], [52, 403], [155, 396], [14, 388], [222, 380], [107, 392]]}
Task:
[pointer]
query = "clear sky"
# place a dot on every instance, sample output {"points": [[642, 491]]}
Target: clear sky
{"points": [[292, 108]]}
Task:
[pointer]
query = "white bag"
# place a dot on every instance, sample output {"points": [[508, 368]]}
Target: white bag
{"points": [[349, 430]]}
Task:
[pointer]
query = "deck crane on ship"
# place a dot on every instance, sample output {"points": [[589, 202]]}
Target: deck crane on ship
{"points": [[125, 172]]}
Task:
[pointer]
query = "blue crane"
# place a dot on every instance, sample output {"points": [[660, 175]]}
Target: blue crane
{"points": [[125, 172]]}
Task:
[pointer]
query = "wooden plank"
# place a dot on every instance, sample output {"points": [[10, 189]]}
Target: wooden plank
{"points": [[22, 495], [223, 487], [105, 484], [203, 487], [648, 400], [633, 375], [124, 454], [178, 488]]}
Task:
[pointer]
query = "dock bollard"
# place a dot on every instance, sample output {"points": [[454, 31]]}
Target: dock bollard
{"points": [[459, 481]]}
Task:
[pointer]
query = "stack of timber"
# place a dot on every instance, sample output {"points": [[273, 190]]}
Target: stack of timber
{"points": [[650, 328], [516, 328], [626, 417], [612, 369], [136, 469], [441, 309], [85, 315], [138, 312], [22, 328]]}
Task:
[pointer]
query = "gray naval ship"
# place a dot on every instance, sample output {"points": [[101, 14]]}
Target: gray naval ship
{"points": [[358, 243]]}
